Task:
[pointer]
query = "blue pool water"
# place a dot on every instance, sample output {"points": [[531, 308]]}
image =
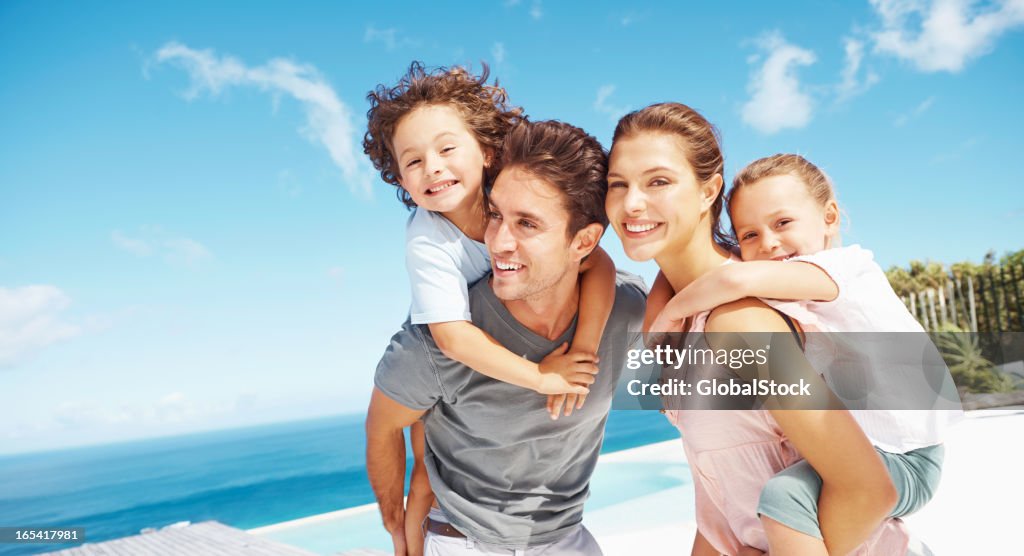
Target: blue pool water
{"points": [[243, 477]]}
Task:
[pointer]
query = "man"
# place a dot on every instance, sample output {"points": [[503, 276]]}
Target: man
{"points": [[507, 478]]}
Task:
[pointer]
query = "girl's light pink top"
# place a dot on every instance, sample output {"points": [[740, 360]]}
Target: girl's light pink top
{"points": [[732, 454]]}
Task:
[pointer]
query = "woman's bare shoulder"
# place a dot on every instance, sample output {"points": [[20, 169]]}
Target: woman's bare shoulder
{"points": [[745, 315]]}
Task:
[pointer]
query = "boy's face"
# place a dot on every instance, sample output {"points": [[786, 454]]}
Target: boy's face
{"points": [[776, 218], [439, 160]]}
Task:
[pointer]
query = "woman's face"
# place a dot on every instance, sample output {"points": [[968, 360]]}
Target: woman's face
{"points": [[654, 199]]}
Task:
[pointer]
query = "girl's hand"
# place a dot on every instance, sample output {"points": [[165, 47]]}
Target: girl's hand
{"points": [[667, 323]]}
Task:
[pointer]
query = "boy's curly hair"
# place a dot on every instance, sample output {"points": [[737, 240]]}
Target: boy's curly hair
{"points": [[484, 108]]}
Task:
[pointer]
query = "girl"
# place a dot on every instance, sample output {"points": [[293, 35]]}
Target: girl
{"points": [[664, 201], [435, 136], [783, 208]]}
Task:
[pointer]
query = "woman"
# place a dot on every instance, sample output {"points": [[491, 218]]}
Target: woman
{"points": [[664, 202]]}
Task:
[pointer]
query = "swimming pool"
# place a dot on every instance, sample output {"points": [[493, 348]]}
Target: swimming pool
{"points": [[642, 488]]}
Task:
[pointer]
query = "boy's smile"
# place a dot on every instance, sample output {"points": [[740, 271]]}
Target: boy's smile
{"points": [[440, 162]]}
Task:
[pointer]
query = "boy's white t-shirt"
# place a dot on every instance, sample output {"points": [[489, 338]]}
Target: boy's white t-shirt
{"points": [[867, 303], [442, 262]]}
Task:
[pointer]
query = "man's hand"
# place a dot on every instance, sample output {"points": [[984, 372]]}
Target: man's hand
{"points": [[385, 461], [567, 373]]}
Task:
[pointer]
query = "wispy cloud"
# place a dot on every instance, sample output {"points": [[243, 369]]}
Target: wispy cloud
{"points": [[175, 250], [630, 18], [852, 84], [30, 320], [328, 119], [337, 274], [498, 52], [186, 252], [777, 100], [943, 35], [288, 184], [390, 38], [536, 11], [958, 151], [132, 245], [902, 119], [601, 104], [172, 408]]}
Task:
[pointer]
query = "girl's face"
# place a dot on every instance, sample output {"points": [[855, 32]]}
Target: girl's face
{"points": [[654, 201], [440, 162], [776, 218]]}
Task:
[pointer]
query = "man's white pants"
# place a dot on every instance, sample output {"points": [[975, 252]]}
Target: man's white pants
{"points": [[579, 542]]}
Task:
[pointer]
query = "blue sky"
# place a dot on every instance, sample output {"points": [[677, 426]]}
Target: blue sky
{"points": [[191, 238]]}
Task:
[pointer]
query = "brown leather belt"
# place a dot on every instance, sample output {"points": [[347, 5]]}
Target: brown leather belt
{"points": [[443, 529]]}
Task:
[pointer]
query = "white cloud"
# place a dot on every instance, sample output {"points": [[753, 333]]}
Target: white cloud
{"points": [[851, 84], [389, 37], [777, 100], [288, 184], [902, 119], [631, 18], [185, 251], [30, 320], [172, 408], [536, 12], [943, 35], [328, 119], [959, 151], [132, 245], [178, 251], [602, 106], [337, 273], [498, 52]]}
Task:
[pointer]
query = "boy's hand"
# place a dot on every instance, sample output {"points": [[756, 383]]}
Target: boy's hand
{"points": [[567, 373], [569, 401]]}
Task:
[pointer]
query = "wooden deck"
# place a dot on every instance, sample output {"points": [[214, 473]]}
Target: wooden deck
{"points": [[209, 538]]}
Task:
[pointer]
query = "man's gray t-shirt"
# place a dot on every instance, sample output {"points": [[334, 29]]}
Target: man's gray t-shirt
{"points": [[503, 472]]}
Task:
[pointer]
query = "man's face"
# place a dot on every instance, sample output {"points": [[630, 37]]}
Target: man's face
{"points": [[527, 237]]}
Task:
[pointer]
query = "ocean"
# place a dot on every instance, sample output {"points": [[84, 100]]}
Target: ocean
{"points": [[245, 478]]}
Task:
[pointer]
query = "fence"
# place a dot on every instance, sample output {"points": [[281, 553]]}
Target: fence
{"points": [[987, 300]]}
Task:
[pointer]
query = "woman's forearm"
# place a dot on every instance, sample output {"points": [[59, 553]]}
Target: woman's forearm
{"points": [[857, 492]]}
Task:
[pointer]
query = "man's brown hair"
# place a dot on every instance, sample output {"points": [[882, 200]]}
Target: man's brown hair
{"points": [[484, 109], [569, 159]]}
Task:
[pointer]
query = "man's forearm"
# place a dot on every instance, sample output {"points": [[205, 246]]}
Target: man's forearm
{"points": [[385, 464]]}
